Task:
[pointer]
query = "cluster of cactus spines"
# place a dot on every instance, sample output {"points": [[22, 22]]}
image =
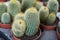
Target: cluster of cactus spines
{"points": [[53, 6], [32, 21], [3, 7], [19, 27], [51, 19], [44, 13], [38, 5], [27, 4], [19, 16], [14, 7], [58, 26], [5, 18]]}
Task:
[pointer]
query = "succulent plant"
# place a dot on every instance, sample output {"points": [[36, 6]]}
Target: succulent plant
{"points": [[27, 4], [51, 19], [53, 6], [58, 26], [38, 5], [19, 16], [32, 21], [14, 7], [5, 18], [19, 27], [44, 13], [3, 7]]}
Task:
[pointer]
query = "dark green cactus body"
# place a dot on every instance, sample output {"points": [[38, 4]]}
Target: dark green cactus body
{"points": [[32, 20], [44, 13]]}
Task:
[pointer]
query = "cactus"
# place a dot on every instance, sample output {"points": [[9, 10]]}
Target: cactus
{"points": [[51, 19], [5, 18], [44, 13], [3, 7], [19, 27], [38, 5], [53, 6], [32, 20], [27, 4], [58, 26], [14, 7], [19, 16]]}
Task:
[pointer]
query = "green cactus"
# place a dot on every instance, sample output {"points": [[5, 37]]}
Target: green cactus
{"points": [[32, 20], [3, 7], [5, 18], [38, 5], [53, 6], [19, 16], [51, 19], [27, 4], [58, 27], [44, 13], [19, 27], [14, 7]]}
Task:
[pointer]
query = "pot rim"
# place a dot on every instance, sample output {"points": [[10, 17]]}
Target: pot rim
{"points": [[7, 26]]}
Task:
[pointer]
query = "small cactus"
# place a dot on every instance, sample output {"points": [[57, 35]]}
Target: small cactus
{"points": [[14, 7], [3, 7], [19, 16], [5, 18], [51, 19], [58, 26], [44, 13], [19, 27], [38, 5], [53, 6], [32, 20], [27, 4]]}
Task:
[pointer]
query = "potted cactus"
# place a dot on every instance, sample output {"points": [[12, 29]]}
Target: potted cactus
{"points": [[58, 30], [26, 26]]}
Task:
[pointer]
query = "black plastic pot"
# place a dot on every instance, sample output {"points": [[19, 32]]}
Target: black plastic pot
{"points": [[3, 36]]}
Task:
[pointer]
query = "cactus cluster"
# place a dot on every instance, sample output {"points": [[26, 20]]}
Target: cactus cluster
{"points": [[53, 6], [32, 20], [14, 7]]}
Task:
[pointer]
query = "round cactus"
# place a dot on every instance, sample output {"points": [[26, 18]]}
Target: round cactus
{"points": [[27, 4], [32, 20], [51, 19], [19, 27], [3, 7], [38, 5], [44, 13], [5, 18], [53, 6], [58, 26], [14, 7], [19, 16]]}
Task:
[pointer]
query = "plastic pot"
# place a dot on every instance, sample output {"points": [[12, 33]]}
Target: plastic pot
{"points": [[5, 25], [25, 37]]}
